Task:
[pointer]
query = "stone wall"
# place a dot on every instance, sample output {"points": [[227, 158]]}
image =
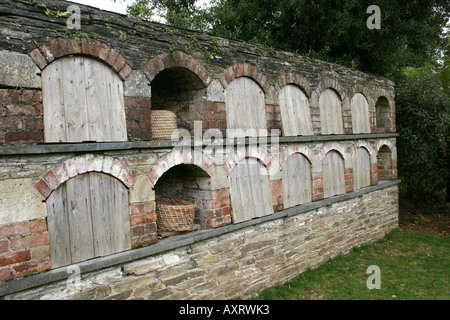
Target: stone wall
{"points": [[242, 262], [163, 67]]}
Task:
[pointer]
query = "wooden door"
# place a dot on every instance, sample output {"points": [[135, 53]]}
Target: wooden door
{"points": [[246, 109], [296, 181], [250, 192], [361, 171], [88, 216], [333, 174], [331, 112], [360, 114], [295, 114], [83, 101]]}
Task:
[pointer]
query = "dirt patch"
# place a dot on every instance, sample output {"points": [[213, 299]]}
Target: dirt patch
{"points": [[425, 217]]}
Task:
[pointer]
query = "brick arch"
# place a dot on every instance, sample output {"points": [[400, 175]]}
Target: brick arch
{"points": [[300, 149], [60, 47], [177, 157], [244, 70], [70, 168], [250, 152], [295, 79], [176, 59], [329, 83], [339, 148], [366, 145]]}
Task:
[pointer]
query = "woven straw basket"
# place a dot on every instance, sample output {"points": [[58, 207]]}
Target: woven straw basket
{"points": [[174, 214], [163, 124]]}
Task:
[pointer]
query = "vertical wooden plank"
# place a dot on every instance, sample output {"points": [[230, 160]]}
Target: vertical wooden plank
{"points": [[96, 95], [102, 211], [255, 188], [295, 114], [53, 103], [116, 109], [245, 105], [74, 93], [79, 213], [58, 228], [296, 181], [265, 190], [362, 169], [331, 112], [121, 216], [333, 174], [235, 196], [360, 114]]}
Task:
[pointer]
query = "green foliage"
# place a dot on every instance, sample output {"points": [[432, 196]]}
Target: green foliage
{"points": [[423, 122], [140, 9]]}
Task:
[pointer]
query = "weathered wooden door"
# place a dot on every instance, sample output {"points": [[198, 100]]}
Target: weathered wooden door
{"points": [[360, 114], [246, 109], [250, 191], [296, 181], [88, 216], [361, 172], [331, 112], [83, 101], [333, 174], [295, 114]]}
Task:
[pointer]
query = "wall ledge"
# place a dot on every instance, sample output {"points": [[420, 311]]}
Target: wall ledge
{"points": [[167, 244], [12, 150]]}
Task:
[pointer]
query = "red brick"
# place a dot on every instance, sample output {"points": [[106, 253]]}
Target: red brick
{"points": [[145, 103], [5, 274], [14, 257], [119, 64], [52, 179], [8, 123], [19, 137], [38, 58], [4, 246], [13, 230], [64, 46], [34, 124], [47, 52], [137, 209], [43, 188], [31, 268], [112, 56], [54, 44], [125, 72], [30, 241], [37, 226], [95, 48]]}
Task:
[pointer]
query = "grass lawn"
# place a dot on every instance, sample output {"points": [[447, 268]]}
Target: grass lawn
{"points": [[413, 266]]}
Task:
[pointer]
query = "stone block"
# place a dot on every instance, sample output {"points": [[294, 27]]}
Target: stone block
{"points": [[18, 70], [20, 201]]}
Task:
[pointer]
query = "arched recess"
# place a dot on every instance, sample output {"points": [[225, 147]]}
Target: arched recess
{"points": [[383, 114], [296, 180], [295, 113], [361, 170], [178, 84], [245, 107], [250, 191], [360, 114], [330, 104], [88, 217], [385, 163], [82, 101], [333, 173]]}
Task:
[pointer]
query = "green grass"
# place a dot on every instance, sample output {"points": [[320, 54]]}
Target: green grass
{"points": [[413, 266]]}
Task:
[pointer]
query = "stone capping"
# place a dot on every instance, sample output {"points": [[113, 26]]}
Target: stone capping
{"points": [[60, 47], [244, 70], [72, 167], [176, 59], [49, 148], [179, 241]]}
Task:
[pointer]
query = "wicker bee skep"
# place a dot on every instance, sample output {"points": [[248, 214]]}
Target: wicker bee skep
{"points": [[163, 124], [174, 214]]}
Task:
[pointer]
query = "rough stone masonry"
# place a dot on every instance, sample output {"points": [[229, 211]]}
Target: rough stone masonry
{"points": [[76, 127]]}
